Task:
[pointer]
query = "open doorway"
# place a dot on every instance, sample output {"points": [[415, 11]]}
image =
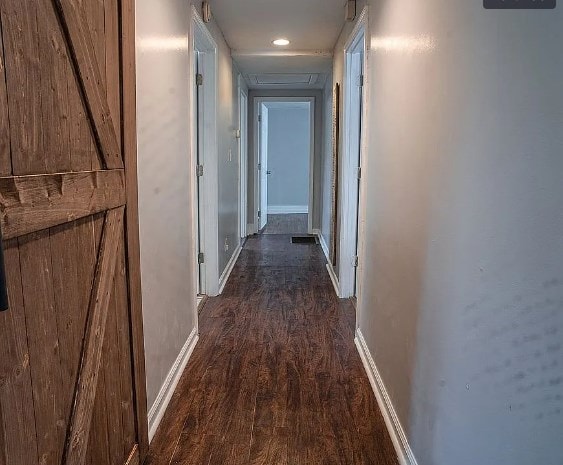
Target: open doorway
{"points": [[353, 129], [284, 139]]}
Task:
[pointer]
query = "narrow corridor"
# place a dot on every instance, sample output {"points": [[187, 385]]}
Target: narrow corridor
{"points": [[275, 377]]}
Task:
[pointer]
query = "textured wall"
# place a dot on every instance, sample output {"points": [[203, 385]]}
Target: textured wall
{"points": [[163, 100], [165, 177], [462, 305]]}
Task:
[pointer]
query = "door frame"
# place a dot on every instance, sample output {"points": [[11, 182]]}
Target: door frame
{"points": [[243, 158], [202, 41], [257, 102], [352, 199]]}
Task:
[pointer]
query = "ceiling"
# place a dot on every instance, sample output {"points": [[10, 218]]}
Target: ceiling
{"points": [[312, 26]]}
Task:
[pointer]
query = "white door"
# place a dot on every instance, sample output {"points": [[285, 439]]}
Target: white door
{"points": [[356, 141], [243, 147], [199, 128], [263, 167]]}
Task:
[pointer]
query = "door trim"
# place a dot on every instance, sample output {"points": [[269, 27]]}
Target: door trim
{"points": [[202, 40], [257, 102], [243, 160], [352, 207]]}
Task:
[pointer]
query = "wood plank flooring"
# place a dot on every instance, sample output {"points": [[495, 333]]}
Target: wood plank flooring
{"points": [[275, 378]]}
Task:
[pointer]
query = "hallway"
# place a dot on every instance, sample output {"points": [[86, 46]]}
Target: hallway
{"points": [[275, 377]]}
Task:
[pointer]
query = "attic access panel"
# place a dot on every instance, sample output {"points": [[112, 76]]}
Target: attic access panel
{"points": [[280, 79], [520, 4]]}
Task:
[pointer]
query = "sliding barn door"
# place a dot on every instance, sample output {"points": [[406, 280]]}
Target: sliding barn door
{"points": [[71, 361]]}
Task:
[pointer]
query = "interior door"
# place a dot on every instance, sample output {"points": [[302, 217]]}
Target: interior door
{"points": [[357, 94], [263, 217], [243, 147], [71, 382], [199, 132]]}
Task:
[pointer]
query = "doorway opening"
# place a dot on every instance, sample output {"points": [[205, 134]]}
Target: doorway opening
{"points": [[353, 131], [204, 156], [284, 142]]}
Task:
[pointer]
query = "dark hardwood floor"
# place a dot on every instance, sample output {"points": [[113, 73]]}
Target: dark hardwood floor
{"points": [[275, 378], [293, 223]]}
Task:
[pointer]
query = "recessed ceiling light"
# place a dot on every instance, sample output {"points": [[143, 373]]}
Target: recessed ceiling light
{"points": [[281, 42]]}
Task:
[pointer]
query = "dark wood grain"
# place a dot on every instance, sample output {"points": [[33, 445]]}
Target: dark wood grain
{"points": [[32, 203], [21, 54], [44, 354], [5, 160], [79, 430], [89, 72], [54, 70], [17, 418], [275, 377], [67, 88]]}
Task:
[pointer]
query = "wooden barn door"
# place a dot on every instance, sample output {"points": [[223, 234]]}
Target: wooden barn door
{"points": [[72, 387]]}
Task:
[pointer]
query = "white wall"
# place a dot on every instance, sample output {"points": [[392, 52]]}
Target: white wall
{"points": [[289, 153], [166, 177], [228, 162], [163, 100], [462, 274]]}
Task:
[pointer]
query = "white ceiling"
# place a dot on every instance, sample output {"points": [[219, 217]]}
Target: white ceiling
{"points": [[312, 26]]}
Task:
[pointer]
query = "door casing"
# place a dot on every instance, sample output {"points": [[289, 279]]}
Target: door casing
{"points": [[202, 41], [352, 203], [257, 104]]}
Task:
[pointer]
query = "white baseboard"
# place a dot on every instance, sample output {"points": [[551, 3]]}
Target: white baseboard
{"points": [[396, 431], [250, 229], [333, 278], [323, 243], [287, 209], [158, 409], [225, 276]]}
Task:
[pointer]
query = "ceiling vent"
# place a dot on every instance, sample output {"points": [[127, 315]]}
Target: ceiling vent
{"points": [[279, 79]]}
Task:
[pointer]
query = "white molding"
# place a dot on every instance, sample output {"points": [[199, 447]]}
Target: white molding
{"points": [[333, 278], [287, 209], [396, 431], [243, 157], [323, 243], [228, 269], [159, 406], [352, 208], [361, 22], [203, 41]]}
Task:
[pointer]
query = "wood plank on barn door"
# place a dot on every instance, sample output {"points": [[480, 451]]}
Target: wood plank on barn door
{"points": [[90, 79], [67, 75], [32, 203], [17, 417], [5, 161], [21, 59], [79, 428]]}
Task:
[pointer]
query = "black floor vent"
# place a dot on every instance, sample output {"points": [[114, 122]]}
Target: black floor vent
{"points": [[304, 240]]}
